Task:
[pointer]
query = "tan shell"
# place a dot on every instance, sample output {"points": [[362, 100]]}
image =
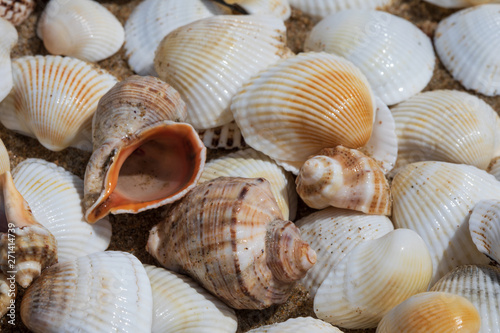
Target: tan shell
{"points": [[229, 235], [8, 290], [16, 11]]}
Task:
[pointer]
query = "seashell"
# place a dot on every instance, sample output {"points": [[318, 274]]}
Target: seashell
{"points": [[333, 233], [54, 99], [494, 167], [298, 325], [467, 44], [302, 104], [7, 41], [395, 55], [22, 237], [324, 8], [16, 11], [344, 178], [143, 157], [227, 136], [279, 8], [207, 61], [109, 292], [250, 163], [229, 235], [8, 290], [459, 3], [180, 305], [432, 312], [446, 125], [484, 226], [480, 284], [435, 199], [373, 278], [152, 20], [4, 158], [55, 198]]}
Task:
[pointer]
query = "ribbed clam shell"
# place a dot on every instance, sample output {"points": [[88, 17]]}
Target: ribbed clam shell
{"points": [[302, 104], [4, 158], [432, 312], [279, 8], [207, 61], [480, 284], [460, 3], [180, 305], [55, 197], [323, 8], [227, 136], [8, 290], [298, 325], [333, 233], [100, 292], [494, 168], [250, 163], [16, 11], [152, 20], [8, 40], [373, 278], [54, 99], [435, 199], [467, 44], [395, 55], [446, 125], [484, 226]]}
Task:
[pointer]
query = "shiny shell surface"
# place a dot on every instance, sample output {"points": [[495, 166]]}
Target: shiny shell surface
{"points": [[7, 41], [298, 325], [323, 8], [484, 226]]}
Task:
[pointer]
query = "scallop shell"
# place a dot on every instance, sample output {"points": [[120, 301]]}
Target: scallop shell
{"points": [[480, 284], [8, 290], [432, 312], [435, 199], [180, 305], [83, 29], [302, 104], [55, 197], [109, 292], [16, 11], [279, 8], [467, 44], [227, 136], [373, 278], [395, 55], [484, 226], [249, 163], [460, 3], [207, 61], [323, 8], [298, 325], [229, 235], [344, 178], [143, 156], [54, 99], [8, 40], [333, 233]]}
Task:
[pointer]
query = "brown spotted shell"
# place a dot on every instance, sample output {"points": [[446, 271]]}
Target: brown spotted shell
{"points": [[16, 11]]}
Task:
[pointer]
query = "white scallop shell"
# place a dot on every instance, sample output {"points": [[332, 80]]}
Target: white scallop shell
{"points": [[333, 233], [180, 305], [324, 8], [83, 29], [460, 3], [279, 8], [227, 136], [484, 226], [152, 20], [7, 41], [396, 56], [207, 61], [55, 197], [435, 199], [54, 99], [298, 325], [373, 278], [467, 43]]}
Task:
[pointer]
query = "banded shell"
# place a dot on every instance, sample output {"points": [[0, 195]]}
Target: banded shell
{"points": [[344, 178], [180, 305], [302, 104], [207, 61], [323, 8], [110, 291], [460, 3], [82, 29], [432, 312], [373, 278], [16, 11], [333, 233], [54, 99], [279, 8], [8, 290], [227, 136], [467, 44], [8, 40], [229, 235], [298, 325], [143, 157], [480, 284], [435, 199], [395, 55], [249, 163], [484, 226]]}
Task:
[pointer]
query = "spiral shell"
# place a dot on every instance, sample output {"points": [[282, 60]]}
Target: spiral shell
{"points": [[323, 8], [484, 226], [16, 11], [8, 40], [298, 325]]}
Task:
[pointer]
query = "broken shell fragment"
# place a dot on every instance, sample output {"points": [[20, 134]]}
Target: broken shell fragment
{"points": [[279, 8], [16, 11], [484, 226], [8, 40], [298, 325]]}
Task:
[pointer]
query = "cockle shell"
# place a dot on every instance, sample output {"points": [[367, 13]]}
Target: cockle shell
{"points": [[227, 136], [8, 40], [395, 55], [344, 178], [432, 312], [373, 278], [279, 8], [16, 11], [180, 305], [207, 61], [302, 104], [467, 43], [100, 292], [229, 235], [298, 325], [494, 167], [484, 226], [460, 3], [333, 233], [54, 99], [8, 290], [323, 8], [143, 157]]}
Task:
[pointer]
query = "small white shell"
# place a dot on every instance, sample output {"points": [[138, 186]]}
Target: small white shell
{"points": [[227, 136], [460, 3], [8, 290], [323, 8], [279, 8], [484, 226], [7, 41], [298, 325]]}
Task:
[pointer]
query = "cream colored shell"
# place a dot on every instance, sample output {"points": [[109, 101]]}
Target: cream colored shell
{"points": [[8, 290], [16, 11], [484, 226], [298, 325], [8, 40], [323, 8], [4, 158]]}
